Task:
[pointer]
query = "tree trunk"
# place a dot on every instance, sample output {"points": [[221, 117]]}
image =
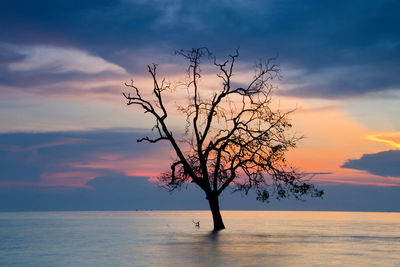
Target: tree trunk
{"points": [[217, 219]]}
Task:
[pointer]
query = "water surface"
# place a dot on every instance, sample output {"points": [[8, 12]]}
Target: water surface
{"points": [[169, 238]]}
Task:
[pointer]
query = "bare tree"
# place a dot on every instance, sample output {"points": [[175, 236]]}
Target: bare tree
{"points": [[233, 137]]}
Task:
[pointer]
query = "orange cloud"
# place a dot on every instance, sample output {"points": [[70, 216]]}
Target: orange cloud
{"points": [[391, 139]]}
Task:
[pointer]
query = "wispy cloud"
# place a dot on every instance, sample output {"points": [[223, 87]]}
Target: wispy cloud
{"points": [[61, 142], [52, 59]]}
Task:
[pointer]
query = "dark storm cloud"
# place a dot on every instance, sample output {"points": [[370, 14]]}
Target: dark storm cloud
{"points": [[343, 48], [385, 163]]}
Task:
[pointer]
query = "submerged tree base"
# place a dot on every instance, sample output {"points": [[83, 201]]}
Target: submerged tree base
{"points": [[218, 228], [216, 213]]}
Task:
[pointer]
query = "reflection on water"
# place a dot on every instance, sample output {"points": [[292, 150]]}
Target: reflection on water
{"points": [[169, 238]]}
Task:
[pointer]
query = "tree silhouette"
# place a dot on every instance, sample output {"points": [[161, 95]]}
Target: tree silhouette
{"points": [[233, 136]]}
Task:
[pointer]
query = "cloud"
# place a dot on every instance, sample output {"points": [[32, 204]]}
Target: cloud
{"points": [[54, 70], [341, 82], [117, 183], [52, 59], [391, 139], [343, 48], [19, 168], [75, 157], [385, 163], [112, 191], [118, 192], [61, 142], [318, 173]]}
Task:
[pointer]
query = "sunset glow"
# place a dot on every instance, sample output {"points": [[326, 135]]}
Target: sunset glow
{"points": [[65, 123], [199, 133]]}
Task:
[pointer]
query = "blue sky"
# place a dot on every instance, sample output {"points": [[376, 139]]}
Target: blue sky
{"points": [[64, 123]]}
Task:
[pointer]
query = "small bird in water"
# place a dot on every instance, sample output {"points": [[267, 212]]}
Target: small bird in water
{"points": [[196, 224]]}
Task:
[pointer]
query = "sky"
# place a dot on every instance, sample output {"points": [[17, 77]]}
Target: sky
{"points": [[68, 139]]}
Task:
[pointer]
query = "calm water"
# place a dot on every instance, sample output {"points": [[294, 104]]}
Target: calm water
{"points": [[169, 238]]}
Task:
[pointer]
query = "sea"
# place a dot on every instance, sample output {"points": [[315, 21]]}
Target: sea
{"points": [[171, 238]]}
